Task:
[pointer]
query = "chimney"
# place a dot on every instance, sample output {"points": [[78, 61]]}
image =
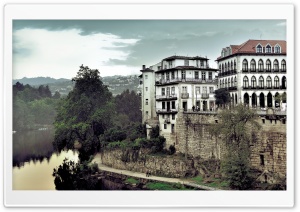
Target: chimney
{"points": [[144, 67]]}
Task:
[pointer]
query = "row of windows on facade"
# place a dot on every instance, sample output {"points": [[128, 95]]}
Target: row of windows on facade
{"points": [[261, 82], [230, 66], [261, 65], [199, 63], [184, 90], [224, 83], [183, 75]]}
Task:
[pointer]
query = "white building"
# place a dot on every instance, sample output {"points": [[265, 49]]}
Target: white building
{"points": [[177, 84], [255, 73]]}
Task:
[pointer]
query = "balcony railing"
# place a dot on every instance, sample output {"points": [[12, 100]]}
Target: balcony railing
{"points": [[167, 120], [263, 70], [264, 87], [227, 73], [264, 111], [204, 95], [185, 95], [165, 110], [200, 111], [177, 80], [166, 97]]}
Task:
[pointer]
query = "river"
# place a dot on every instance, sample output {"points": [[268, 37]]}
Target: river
{"points": [[34, 160]]}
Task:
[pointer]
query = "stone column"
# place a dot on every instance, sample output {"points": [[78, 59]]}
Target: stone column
{"points": [[250, 101], [258, 103], [266, 101]]}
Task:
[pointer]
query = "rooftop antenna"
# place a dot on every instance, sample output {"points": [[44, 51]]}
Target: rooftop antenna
{"points": [[260, 36]]}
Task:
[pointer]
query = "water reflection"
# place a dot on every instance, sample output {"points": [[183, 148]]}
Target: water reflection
{"points": [[34, 160]]}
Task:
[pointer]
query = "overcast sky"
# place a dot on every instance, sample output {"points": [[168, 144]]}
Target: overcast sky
{"points": [[56, 48]]}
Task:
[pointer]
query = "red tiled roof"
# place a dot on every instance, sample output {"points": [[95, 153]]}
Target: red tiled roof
{"points": [[249, 46]]}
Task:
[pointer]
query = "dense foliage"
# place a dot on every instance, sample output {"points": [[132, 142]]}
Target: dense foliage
{"points": [[235, 127], [84, 114], [222, 97], [91, 116], [75, 176], [33, 107]]}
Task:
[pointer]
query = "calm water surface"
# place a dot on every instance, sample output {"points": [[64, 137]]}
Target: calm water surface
{"points": [[34, 160]]}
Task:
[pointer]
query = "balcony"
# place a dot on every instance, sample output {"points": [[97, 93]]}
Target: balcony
{"points": [[167, 121], [263, 87], [166, 111], [232, 88], [204, 95], [166, 97], [227, 73], [185, 95], [178, 80]]}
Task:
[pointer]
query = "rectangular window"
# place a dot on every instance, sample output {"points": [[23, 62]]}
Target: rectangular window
{"points": [[168, 76], [165, 126], [146, 88], [204, 89], [163, 105], [146, 101], [172, 75], [211, 89], [173, 105], [163, 91], [146, 76], [263, 121], [184, 89], [262, 160], [210, 75], [173, 90], [158, 67], [168, 91], [197, 90], [196, 74], [165, 66], [173, 116], [183, 75], [203, 75], [170, 64], [186, 62], [202, 63]]}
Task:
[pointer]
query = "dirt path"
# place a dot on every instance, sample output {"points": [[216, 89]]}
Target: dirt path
{"points": [[97, 159]]}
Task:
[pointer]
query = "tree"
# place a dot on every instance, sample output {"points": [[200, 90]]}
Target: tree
{"points": [[222, 96], [129, 103], [236, 127], [75, 176], [84, 114], [56, 95]]}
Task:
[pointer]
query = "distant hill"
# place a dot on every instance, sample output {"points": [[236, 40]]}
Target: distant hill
{"points": [[39, 80], [116, 84]]}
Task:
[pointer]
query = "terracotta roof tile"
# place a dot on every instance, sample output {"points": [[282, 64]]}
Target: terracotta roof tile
{"points": [[249, 46]]}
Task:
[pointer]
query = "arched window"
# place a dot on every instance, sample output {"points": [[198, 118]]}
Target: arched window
{"points": [[260, 65], [283, 82], [269, 82], [276, 82], [276, 65], [234, 64], [228, 82], [268, 65], [245, 82], [232, 82], [220, 84], [261, 82], [283, 65], [235, 83], [222, 67], [231, 65], [253, 82], [277, 49], [228, 66], [225, 66], [225, 83], [252, 65], [245, 65], [259, 49], [268, 49]]}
